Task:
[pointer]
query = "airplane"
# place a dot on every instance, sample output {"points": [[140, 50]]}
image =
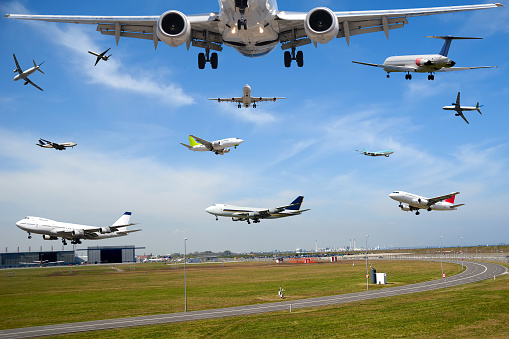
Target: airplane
{"points": [[459, 109], [24, 75], [58, 146], [412, 202], [51, 229], [376, 154], [424, 63], [253, 28], [218, 146], [100, 56], [247, 213], [246, 100]]}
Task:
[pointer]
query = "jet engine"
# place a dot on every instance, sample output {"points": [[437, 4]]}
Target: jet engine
{"points": [[105, 230], [236, 219], [78, 233], [173, 28], [404, 207], [216, 144], [321, 25], [226, 150], [49, 237]]}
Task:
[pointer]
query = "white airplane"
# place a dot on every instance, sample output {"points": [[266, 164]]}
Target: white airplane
{"points": [[412, 202], [247, 213], [459, 109], [424, 63], [376, 154], [24, 75], [219, 146], [252, 27], [101, 56], [52, 230], [246, 100], [59, 146]]}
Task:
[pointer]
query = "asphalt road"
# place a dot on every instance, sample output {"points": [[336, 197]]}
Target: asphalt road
{"points": [[475, 271]]}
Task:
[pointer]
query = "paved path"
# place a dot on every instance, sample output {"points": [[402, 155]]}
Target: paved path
{"points": [[475, 271]]}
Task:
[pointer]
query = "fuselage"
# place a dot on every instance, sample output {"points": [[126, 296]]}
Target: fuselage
{"points": [[26, 73], [219, 145], [51, 228], [224, 210], [418, 201], [424, 63], [261, 35], [460, 108]]}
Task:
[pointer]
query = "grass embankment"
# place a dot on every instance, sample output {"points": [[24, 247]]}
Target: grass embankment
{"points": [[42, 296]]}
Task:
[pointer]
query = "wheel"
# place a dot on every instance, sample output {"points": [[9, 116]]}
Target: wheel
{"points": [[417, 213], [201, 60], [388, 76], [213, 60], [429, 77], [239, 106], [29, 237], [300, 59], [245, 24], [254, 105], [432, 77], [239, 24], [409, 76], [288, 59], [429, 209], [406, 76]]}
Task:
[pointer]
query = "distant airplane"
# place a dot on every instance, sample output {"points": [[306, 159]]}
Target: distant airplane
{"points": [[218, 146], [24, 75], [254, 213], [459, 109], [52, 230], [246, 100], [254, 28], [376, 154], [59, 146], [424, 63], [412, 202], [101, 56]]}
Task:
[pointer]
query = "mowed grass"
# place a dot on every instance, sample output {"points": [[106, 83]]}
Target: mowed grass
{"points": [[474, 310], [52, 295]]}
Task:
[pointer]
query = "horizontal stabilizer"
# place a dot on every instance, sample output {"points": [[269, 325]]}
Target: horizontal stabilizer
{"points": [[189, 147], [454, 206]]}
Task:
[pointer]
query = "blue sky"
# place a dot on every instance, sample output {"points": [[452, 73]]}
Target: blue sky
{"points": [[129, 115]]}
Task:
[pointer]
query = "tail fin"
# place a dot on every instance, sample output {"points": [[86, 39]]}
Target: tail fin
{"points": [[478, 108], [35, 65], [123, 220], [447, 43], [295, 205], [193, 142], [451, 199]]}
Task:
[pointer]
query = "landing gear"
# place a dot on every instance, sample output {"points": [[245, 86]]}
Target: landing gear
{"points": [[254, 105], [217, 218], [241, 5], [64, 242], [248, 221], [75, 241], [299, 57], [256, 221], [203, 58], [239, 106], [408, 76], [429, 209], [388, 76], [29, 235], [431, 77], [242, 23], [417, 213]]}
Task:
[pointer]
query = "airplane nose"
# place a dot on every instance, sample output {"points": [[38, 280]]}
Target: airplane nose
{"points": [[392, 196], [209, 209]]}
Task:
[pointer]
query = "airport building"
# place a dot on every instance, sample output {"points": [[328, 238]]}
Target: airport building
{"points": [[112, 254], [27, 259]]}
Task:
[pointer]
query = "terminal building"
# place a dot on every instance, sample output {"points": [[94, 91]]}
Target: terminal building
{"points": [[27, 259]]}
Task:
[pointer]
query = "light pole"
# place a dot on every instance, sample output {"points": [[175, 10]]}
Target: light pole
{"points": [[441, 263], [185, 275], [461, 253], [367, 272]]}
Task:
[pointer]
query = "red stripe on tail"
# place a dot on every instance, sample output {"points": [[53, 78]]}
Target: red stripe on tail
{"points": [[451, 199]]}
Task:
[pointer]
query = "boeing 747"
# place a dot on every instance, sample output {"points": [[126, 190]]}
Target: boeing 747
{"points": [[376, 154], [253, 28], [411, 202], [58, 146]]}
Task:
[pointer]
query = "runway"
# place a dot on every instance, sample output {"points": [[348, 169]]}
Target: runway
{"points": [[475, 271]]}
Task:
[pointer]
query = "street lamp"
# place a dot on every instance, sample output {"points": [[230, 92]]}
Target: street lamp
{"points": [[367, 272], [461, 254], [185, 275], [441, 255]]}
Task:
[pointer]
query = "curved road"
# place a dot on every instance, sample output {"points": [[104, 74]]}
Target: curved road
{"points": [[475, 271]]}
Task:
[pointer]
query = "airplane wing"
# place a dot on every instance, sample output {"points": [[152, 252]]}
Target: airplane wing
{"points": [[388, 67], [238, 100], [106, 51], [31, 83], [458, 100], [452, 69], [432, 201], [463, 116], [362, 22], [261, 99], [17, 64], [206, 143], [97, 60], [139, 27]]}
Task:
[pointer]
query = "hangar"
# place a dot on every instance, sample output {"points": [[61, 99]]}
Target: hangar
{"points": [[23, 259], [112, 254]]}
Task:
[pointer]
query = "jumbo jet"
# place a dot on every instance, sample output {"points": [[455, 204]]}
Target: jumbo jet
{"points": [[376, 154], [253, 28], [246, 100], [459, 109], [247, 213], [218, 147], [411, 202], [24, 75], [101, 56], [58, 146], [52, 230], [424, 63]]}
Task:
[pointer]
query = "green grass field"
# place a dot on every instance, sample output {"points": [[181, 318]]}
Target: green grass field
{"points": [[51, 295]]}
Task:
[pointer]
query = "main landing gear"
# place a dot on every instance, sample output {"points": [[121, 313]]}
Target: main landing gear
{"points": [[217, 218], [431, 77], [417, 213], [408, 76], [299, 57], [64, 242], [203, 58], [241, 5], [75, 241], [29, 235]]}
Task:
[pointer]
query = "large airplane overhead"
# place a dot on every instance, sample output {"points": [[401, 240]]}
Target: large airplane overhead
{"points": [[253, 28]]}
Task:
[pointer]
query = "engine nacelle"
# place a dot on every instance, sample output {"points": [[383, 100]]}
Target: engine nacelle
{"points": [[173, 28], [405, 207], [216, 144], [321, 25], [236, 219], [226, 150], [104, 230], [78, 233], [49, 237], [423, 62]]}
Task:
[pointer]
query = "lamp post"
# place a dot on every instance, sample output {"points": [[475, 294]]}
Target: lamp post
{"points": [[441, 263], [185, 275], [461, 254], [367, 272]]}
